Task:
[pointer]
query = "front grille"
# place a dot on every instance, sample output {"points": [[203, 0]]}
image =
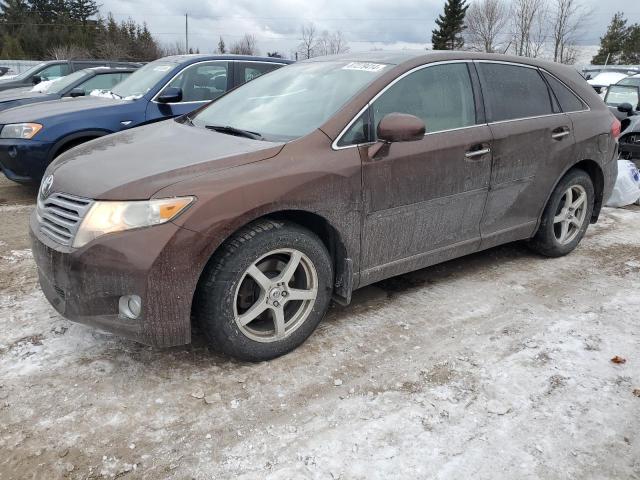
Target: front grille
{"points": [[59, 216]]}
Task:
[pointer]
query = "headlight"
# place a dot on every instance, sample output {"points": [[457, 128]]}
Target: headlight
{"points": [[108, 217], [20, 130]]}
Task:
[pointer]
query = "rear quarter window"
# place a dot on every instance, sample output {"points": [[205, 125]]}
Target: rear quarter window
{"points": [[569, 102], [512, 92]]}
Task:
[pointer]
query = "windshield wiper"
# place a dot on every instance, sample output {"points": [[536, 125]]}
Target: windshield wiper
{"points": [[235, 131], [114, 94]]}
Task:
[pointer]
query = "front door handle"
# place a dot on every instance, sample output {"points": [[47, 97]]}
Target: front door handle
{"points": [[477, 153], [560, 133]]}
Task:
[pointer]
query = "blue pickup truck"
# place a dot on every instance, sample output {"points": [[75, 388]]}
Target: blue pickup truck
{"points": [[31, 136]]}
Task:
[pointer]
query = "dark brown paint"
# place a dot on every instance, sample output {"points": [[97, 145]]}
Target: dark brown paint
{"points": [[412, 204]]}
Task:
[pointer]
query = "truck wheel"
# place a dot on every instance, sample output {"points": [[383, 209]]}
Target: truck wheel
{"points": [[265, 291], [566, 216]]}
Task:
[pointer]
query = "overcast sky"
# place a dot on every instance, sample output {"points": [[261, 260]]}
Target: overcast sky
{"points": [[276, 24]]}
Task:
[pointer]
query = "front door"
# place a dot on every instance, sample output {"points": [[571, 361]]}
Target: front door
{"points": [[424, 199], [200, 83]]}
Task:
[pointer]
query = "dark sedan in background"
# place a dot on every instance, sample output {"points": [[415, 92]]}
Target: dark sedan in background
{"points": [[31, 136], [78, 84], [56, 69]]}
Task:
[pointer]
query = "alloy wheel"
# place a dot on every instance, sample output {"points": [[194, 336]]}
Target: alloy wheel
{"points": [[570, 214], [275, 295]]}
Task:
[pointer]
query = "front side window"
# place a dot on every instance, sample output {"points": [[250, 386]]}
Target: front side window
{"points": [[512, 92], [440, 95], [357, 133], [202, 82], [292, 101], [568, 101]]}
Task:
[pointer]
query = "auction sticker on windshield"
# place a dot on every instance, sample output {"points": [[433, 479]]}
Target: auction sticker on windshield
{"points": [[366, 67], [162, 68]]}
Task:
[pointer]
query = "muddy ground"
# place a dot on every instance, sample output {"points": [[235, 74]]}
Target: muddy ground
{"points": [[493, 366]]}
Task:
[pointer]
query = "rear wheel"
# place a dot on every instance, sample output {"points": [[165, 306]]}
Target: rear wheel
{"points": [[265, 292], [566, 216]]}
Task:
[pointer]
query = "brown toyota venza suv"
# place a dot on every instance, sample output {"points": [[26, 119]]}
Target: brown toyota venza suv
{"points": [[249, 215]]}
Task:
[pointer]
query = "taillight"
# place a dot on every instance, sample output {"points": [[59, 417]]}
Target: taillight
{"points": [[616, 127]]}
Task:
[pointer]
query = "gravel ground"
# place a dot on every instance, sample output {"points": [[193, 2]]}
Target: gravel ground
{"points": [[493, 366]]}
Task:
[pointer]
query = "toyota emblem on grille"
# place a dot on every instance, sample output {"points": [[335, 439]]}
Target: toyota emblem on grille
{"points": [[45, 188]]}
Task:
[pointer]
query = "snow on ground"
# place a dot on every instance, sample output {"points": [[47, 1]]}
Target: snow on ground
{"points": [[493, 366]]}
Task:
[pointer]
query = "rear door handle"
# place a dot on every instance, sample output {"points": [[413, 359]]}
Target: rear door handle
{"points": [[477, 153], [560, 133]]}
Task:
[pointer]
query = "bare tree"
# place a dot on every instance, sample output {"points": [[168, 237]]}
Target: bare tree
{"points": [[69, 52], [566, 18], [176, 48], [486, 21], [308, 43], [112, 49], [338, 44], [247, 45], [529, 19]]}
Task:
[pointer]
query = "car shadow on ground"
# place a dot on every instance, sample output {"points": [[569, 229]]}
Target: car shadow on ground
{"points": [[375, 295]]}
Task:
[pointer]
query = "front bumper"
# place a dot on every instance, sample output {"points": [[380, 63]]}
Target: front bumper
{"points": [[85, 285], [24, 161]]}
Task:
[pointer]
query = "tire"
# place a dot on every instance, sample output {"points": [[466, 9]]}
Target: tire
{"points": [[551, 239], [250, 280]]}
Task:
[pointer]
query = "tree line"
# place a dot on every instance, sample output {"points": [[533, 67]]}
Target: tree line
{"points": [[531, 28], [39, 29]]}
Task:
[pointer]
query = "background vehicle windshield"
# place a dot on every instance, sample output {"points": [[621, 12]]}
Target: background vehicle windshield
{"points": [[28, 72], [142, 80], [618, 94], [292, 101], [59, 85]]}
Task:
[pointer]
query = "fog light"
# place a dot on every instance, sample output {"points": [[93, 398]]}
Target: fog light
{"points": [[130, 306]]}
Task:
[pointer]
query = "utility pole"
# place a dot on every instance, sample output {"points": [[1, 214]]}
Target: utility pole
{"points": [[186, 32]]}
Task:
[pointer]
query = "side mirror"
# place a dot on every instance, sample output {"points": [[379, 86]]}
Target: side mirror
{"points": [[36, 79], [77, 92], [400, 127], [397, 127], [170, 95], [625, 108]]}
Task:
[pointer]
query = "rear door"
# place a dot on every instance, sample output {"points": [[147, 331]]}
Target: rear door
{"points": [[427, 195], [531, 140]]}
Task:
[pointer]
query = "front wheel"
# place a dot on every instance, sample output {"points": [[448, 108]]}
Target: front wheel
{"points": [[566, 217], [265, 291]]}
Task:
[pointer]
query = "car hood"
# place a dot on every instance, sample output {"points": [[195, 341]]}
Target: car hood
{"points": [[136, 163], [19, 94], [44, 110]]}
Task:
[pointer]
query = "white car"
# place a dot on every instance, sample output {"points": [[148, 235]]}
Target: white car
{"points": [[602, 81]]}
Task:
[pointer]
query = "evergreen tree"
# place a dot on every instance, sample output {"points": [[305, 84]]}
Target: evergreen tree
{"points": [[613, 43], [221, 46], [448, 35], [83, 10], [631, 47]]}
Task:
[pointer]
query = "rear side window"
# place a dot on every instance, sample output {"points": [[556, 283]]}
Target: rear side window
{"points": [[568, 101], [247, 71], [440, 95], [511, 92]]}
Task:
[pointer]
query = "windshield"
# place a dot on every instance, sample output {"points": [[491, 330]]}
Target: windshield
{"points": [[142, 80], [635, 81], [291, 101], [63, 83], [28, 72], [619, 94]]}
